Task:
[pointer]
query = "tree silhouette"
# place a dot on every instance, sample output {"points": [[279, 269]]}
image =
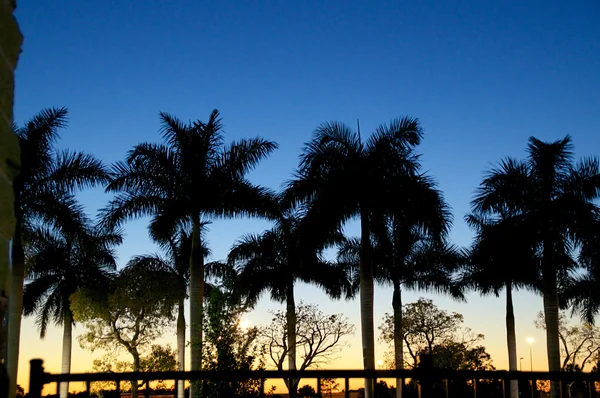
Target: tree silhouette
{"points": [[553, 198], [342, 177], [44, 194], [189, 179]]}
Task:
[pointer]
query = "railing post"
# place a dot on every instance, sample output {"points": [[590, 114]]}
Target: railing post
{"points": [[36, 378], [347, 388], [262, 387], [426, 382], [447, 388]]}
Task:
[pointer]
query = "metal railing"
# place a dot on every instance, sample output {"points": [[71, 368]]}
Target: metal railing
{"points": [[426, 378]]}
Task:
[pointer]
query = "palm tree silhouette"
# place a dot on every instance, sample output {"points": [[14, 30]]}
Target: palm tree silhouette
{"points": [[187, 180], [410, 252], [59, 265], [342, 177], [177, 250], [502, 256], [276, 259], [44, 193], [554, 199]]}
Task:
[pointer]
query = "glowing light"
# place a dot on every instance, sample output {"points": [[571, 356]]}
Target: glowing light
{"points": [[244, 324], [530, 340]]}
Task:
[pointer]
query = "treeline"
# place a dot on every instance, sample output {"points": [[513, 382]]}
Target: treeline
{"points": [[536, 220]]}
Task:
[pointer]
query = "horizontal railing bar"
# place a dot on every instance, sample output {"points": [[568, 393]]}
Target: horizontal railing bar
{"points": [[324, 373]]}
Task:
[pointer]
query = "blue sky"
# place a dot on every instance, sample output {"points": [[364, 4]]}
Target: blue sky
{"points": [[481, 76]]}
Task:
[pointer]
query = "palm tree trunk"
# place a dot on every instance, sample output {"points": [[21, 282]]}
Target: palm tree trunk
{"points": [[196, 301], [511, 339], [398, 340], [180, 347], [66, 352], [15, 309], [291, 336], [366, 301], [136, 368], [550, 294]]}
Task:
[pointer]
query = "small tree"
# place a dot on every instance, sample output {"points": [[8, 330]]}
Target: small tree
{"points": [[457, 356], [136, 309], [319, 337], [158, 359], [425, 326], [306, 391], [228, 346], [328, 386]]}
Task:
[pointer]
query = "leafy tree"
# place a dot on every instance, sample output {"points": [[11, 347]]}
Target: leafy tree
{"points": [[177, 249], [306, 391], [342, 177], [552, 198], [134, 310], [59, 265], [228, 346], [158, 359], [425, 327], [44, 195], [275, 260], [329, 386], [459, 356], [189, 179], [502, 256]]}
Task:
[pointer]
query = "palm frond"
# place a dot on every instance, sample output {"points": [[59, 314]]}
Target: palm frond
{"points": [[76, 170]]}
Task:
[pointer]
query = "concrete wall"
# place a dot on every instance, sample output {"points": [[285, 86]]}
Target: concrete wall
{"points": [[10, 48]]}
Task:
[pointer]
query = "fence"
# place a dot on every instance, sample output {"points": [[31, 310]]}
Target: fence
{"points": [[426, 378]]}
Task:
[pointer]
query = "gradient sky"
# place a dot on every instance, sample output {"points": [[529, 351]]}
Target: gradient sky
{"points": [[481, 76]]}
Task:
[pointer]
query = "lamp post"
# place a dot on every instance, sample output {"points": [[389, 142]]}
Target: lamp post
{"points": [[530, 340], [521, 364]]}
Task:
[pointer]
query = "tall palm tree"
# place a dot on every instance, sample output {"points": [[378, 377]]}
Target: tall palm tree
{"points": [[275, 260], [343, 177], [59, 265], [553, 198], [502, 256], [189, 179], [410, 252], [44, 193]]}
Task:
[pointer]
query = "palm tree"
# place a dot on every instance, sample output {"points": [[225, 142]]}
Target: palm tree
{"points": [[44, 193], [342, 177], [410, 252], [554, 199], [502, 256], [59, 265], [177, 250], [189, 179], [275, 260]]}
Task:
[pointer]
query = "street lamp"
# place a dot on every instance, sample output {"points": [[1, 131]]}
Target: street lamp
{"points": [[521, 364], [530, 340]]}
